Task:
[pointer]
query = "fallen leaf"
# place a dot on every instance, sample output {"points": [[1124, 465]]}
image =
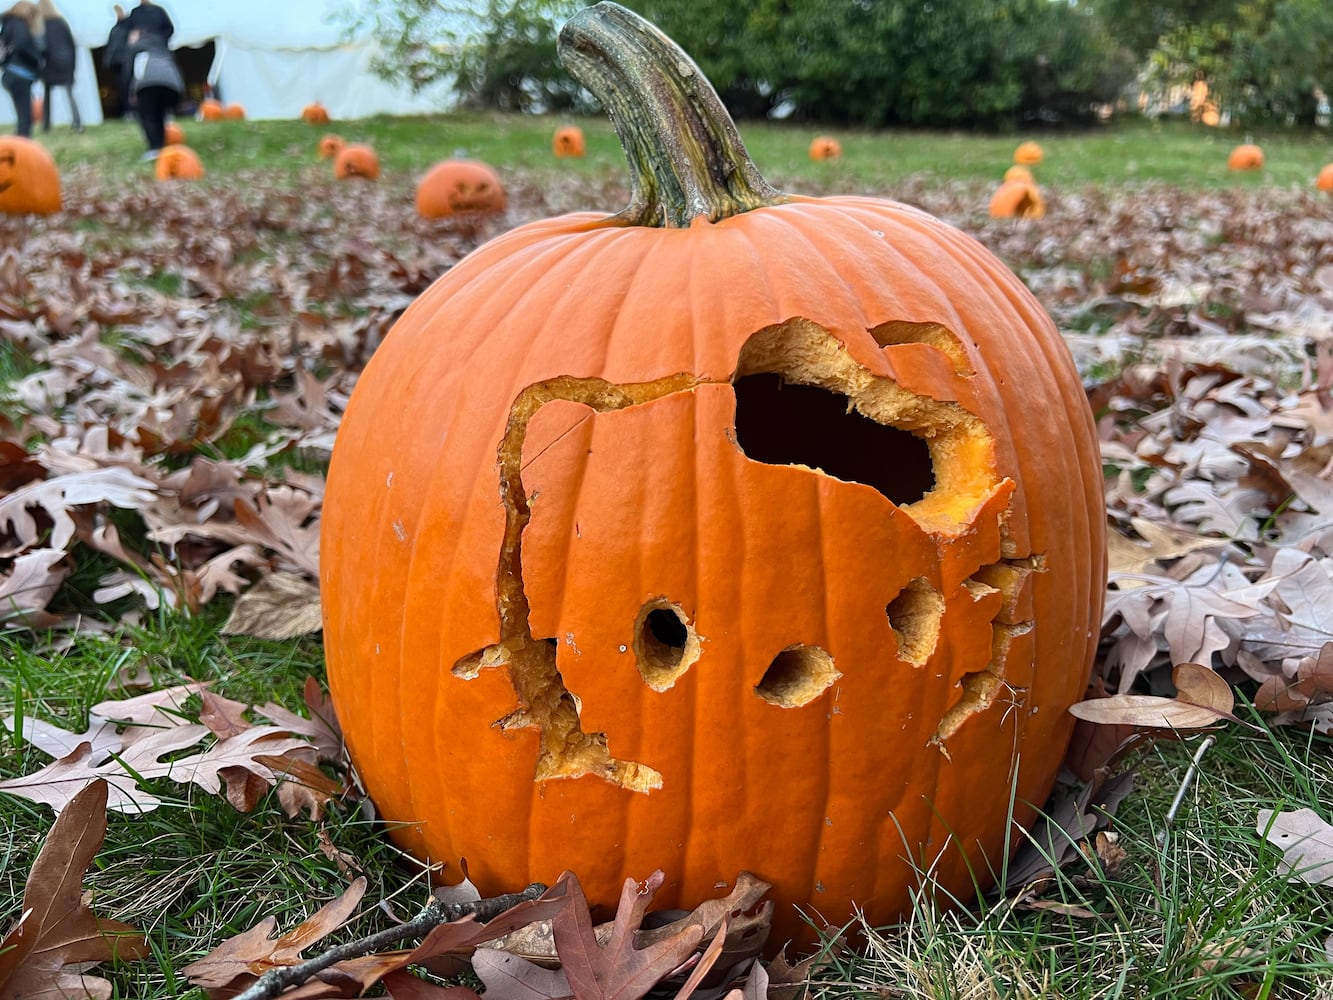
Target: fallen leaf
{"points": [[280, 606], [1305, 840]]}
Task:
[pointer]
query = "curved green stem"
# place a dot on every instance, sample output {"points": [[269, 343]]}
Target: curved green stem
{"points": [[685, 156]]}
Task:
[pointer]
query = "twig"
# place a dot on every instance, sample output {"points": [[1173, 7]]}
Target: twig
{"points": [[1185, 783], [273, 982]]}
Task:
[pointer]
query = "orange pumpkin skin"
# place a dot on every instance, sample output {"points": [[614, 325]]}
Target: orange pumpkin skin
{"points": [[29, 180], [178, 163], [315, 114], [234, 112], [1018, 172], [567, 462], [356, 161], [1246, 156], [1017, 199], [568, 142], [1324, 180], [1028, 153], [330, 146], [825, 148], [211, 110], [173, 134], [459, 187]]}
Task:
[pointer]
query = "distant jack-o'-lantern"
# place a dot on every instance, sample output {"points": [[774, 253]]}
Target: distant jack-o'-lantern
{"points": [[1324, 180], [459, 187], [1028, 153], [1018, 172], [1017, 199], [315, 114], [734, 531], [330, 146], [825, 147], [178, 163], [1246, 156], [568, 142], [173, 134], [29, 181], [211, 110], [234, 112], [356, 161]]}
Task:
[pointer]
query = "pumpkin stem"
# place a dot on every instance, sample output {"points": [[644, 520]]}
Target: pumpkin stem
{"points": [[685, 155]]}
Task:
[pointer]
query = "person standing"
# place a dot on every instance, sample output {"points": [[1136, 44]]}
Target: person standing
{"points": [[156, 86], [58, 68], [151, 19], [22, 60], [116, 59]]}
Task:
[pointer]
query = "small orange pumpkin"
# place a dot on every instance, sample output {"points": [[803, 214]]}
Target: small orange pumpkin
{"points": [[1324, 182], [173, 134], [330, 145], [1028, 153], [459, 187], [356, 161], [1018, 172], [211, 110], [825, 147], [315, 114], [37, 108], [29, 181], [1017, 199], [568, 141], [1246, 156], [234, 112], [178, 163], [718, 534]]}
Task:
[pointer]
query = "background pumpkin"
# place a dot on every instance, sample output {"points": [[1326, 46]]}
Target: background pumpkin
{"points": [[1324, 180], [330, 146], [356, 160], [315, 114], [590, 604], [1028, 153], [459, 187], [173, 134], [824, 147], [1246, 156], [177, 163], [211, 110], [235, 112], [29, 180], [568, 141], [1019, 199]]}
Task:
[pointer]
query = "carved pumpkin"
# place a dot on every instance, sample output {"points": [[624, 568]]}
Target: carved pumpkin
{"points": [[1324, 181], [1018, 172], [356, 161], [723, 533], [1246, 156], [568, 141], [234, 112], [315, 114], [1017, 199], [29, 181], [178, 163], [825, 147], [459, 187], [330, 146], [1028, 153], [211, 110], [173, 134]]}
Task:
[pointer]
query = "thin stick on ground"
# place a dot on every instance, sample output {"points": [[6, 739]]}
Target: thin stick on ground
{"points": [[1185, 783], [273, 982]]}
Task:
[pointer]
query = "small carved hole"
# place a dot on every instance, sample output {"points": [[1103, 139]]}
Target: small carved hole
{"points": [[797, 676], [914, 616], [665, 645]]}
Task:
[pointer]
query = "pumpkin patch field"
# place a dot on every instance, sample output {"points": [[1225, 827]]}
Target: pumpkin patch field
{"points": [[683, 569]]}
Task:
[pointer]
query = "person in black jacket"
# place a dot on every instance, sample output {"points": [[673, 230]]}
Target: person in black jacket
{"points": [[157, 86], [22, 60], [58, 69], [150, 19], [115, 59]]}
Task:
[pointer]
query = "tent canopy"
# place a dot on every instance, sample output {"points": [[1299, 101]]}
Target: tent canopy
{"points": [[271, 56]]}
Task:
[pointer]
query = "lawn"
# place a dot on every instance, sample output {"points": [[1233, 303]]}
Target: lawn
{"points": [[183, 351]]}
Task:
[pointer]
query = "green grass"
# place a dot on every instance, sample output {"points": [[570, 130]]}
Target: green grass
{"points": [[1128, 152]]}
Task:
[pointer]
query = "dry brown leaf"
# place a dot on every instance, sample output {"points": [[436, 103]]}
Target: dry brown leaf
{"points": [[280, 606], [1306, 842]]}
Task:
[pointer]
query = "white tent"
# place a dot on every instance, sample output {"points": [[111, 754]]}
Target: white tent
{"points": [[273, 57]]}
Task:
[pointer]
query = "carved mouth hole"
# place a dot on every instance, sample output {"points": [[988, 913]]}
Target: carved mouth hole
{"points": [[665, 645], [787, 423], [914, 616], [797, 676]]}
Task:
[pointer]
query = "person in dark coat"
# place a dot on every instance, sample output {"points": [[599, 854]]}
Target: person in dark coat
{"points": [[58, 69], [156, 87], [115, 59], [151, 19], [21, 57]]}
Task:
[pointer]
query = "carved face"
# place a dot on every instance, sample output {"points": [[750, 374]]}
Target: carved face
{"points": [[741, 546], [178, 163], [330, 146], [29, 181], [459, 187], [568, 141], [356, 161]]}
